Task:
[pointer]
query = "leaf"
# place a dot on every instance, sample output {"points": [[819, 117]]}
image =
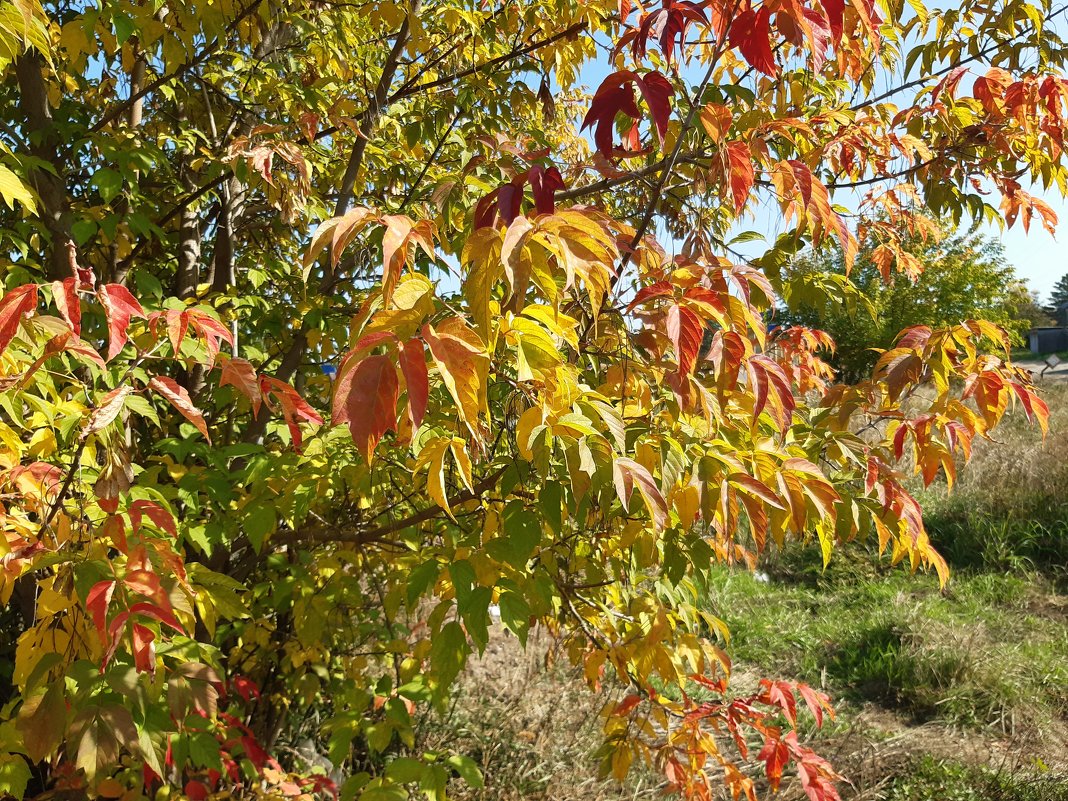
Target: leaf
{"points": [[371, 404], [716, 119], [16, 304], [416, 379], [108, 409], [432, 456], [97, 602], [448, 654], [461, 359], [42, 722], [615, 96], [240, 374], [180, 400], [626, 473], [119, 308], [751, 34], [14, 775], [742, 174], [686, 331], [65, 296], [12, 189]]}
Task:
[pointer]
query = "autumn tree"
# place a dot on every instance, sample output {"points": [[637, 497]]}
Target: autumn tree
{"points": [[955, 276], [327, 326]]}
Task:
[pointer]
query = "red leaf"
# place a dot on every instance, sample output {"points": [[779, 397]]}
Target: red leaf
{"points": [[742, 174], [615, 96], [16, 304], [834, 10], [544, 183], [657, 92], [97, 602], [240, 374], [294, 407], [163, 519], [658, 290], [751, 34], [413, 365], [196, 791], [157, 613], [65, 296], [685, 330], [180, 400], [144, 652], [371, 405], [119, 307], [245, 687]]}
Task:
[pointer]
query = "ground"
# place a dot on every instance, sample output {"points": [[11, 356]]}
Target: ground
{"points": [[958, 694]]}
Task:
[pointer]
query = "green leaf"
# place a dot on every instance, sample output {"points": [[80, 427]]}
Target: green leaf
{"points": [[522, 533], [466, 768], [448, 654], [515, 614], [14, 775], [405, 770], [107, 182], [258, 523]]}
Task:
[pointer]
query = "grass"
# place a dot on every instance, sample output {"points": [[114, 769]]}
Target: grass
{"points": [[953, 781], [958, 694]]}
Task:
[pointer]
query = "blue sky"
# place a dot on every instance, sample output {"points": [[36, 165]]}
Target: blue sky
{"points": [[1038, 258]]}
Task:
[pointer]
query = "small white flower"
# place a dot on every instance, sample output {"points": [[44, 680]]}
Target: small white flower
{"points": [[761, 576]]}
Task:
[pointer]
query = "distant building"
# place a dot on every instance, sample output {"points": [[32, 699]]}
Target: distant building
{"points": [[1047, 340]]}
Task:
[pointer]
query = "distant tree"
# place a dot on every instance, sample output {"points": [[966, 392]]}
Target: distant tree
{"points": [[1058, 301], [1028, 309], [952, 277]]}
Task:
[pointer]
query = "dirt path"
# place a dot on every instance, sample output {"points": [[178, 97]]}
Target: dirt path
{"points": [[1055, 375]]}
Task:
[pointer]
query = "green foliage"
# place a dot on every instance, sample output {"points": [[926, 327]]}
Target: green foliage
{"points": [[957, 277]]}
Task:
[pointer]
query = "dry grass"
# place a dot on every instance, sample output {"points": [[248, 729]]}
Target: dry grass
{"points": [[532, 726]]}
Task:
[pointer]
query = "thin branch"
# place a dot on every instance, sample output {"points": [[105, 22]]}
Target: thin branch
{"points": [[380, 534]]}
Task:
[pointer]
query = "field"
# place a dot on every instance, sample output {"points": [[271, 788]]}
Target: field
{"points": [[955, 695]]}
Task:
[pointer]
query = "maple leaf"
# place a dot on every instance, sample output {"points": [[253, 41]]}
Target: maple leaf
{"points": [[180, 400], [16, 304], [119, 308], [751, 34]]}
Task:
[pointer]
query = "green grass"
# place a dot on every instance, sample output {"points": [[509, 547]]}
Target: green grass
{"points": [[947, 781], [981, 653]]}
